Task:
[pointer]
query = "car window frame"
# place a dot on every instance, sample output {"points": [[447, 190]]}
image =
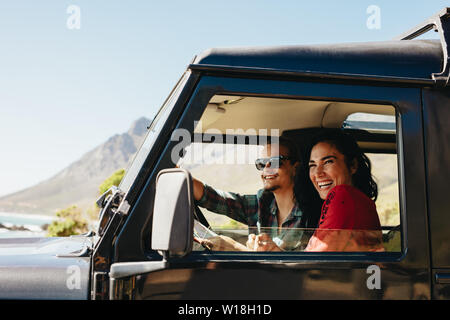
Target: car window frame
{"points": [[406, 101]]}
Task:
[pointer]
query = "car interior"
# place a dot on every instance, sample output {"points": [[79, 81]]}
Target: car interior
{"points": [[372, 125]]}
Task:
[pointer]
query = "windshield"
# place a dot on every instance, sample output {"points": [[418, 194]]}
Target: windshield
{"points": [[152, 133]]}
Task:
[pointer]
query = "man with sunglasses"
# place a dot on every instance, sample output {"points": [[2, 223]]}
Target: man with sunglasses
{"points": [[273, 214]]}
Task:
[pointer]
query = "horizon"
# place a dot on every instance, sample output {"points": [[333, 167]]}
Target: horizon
{"points": [[70, 84]]}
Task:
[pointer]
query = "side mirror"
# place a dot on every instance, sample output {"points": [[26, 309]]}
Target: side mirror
{"points": [[173, 213]]}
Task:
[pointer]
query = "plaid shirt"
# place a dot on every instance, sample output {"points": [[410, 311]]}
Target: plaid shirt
{"points": [[259, 212]]}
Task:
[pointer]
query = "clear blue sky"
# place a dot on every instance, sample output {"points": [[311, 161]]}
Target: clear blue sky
{"points": [[64, 91]]}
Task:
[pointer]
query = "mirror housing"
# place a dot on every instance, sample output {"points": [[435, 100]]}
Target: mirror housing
{"points": [[173, 213]]}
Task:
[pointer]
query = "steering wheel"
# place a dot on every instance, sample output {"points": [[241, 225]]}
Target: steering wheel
{"points": [[198, 215]]}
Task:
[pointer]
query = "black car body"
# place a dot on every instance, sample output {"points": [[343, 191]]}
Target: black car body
{"points": [[121, 262]]}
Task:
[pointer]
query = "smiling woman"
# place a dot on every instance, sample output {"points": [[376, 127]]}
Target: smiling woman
{"points": [[335, 159], [341, 174], [327, 168]]}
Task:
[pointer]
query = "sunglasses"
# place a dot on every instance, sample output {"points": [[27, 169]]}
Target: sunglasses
{"points": [[274, 162]]}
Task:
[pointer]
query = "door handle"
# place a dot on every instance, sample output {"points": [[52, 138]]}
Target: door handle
{"points": [[127, 269]]}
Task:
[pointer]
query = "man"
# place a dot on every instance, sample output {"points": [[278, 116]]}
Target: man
{"points": [[272, 213]]}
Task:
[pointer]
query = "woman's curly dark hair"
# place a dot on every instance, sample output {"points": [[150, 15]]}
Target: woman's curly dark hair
{"points": [[307, 197], [362, 179], [347, 145]]}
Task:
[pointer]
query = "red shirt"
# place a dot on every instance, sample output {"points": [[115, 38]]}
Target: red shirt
{"points": [[348, 222]]}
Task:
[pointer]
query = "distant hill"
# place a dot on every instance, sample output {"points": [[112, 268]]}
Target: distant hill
{"points": [[78, 183]]}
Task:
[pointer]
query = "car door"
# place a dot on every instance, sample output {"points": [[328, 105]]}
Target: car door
{"points": [[403, 274], [436, 115]]}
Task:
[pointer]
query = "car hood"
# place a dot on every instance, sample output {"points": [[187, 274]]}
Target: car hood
{"points": [[45, 268], [42, 246]]}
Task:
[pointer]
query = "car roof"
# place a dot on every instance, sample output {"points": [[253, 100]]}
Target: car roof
{"points": [[412, 59]]}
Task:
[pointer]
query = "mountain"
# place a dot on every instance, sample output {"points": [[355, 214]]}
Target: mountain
{"points": [[78, 183]]}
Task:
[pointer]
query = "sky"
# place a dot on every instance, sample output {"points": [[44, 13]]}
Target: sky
{"points": [[75, 72]]}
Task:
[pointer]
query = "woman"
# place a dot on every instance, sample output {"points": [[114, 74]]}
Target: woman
{"points": [[341, 175]]}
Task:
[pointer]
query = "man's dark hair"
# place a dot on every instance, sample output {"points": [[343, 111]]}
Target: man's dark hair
{"points": [[292, 148]]}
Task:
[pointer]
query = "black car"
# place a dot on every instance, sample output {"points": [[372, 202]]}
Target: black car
{"points": [[393, 97]]}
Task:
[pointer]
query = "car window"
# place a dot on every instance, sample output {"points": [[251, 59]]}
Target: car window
{"points": [[226, 165]]}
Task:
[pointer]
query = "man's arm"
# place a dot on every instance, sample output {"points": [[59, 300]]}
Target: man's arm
{"points": [[199, 189], [243, 208]]}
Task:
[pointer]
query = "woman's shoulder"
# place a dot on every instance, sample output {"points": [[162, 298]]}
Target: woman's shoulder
{"points": [[344, 188], [350, 198], [346, 204], [347, 191]]}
